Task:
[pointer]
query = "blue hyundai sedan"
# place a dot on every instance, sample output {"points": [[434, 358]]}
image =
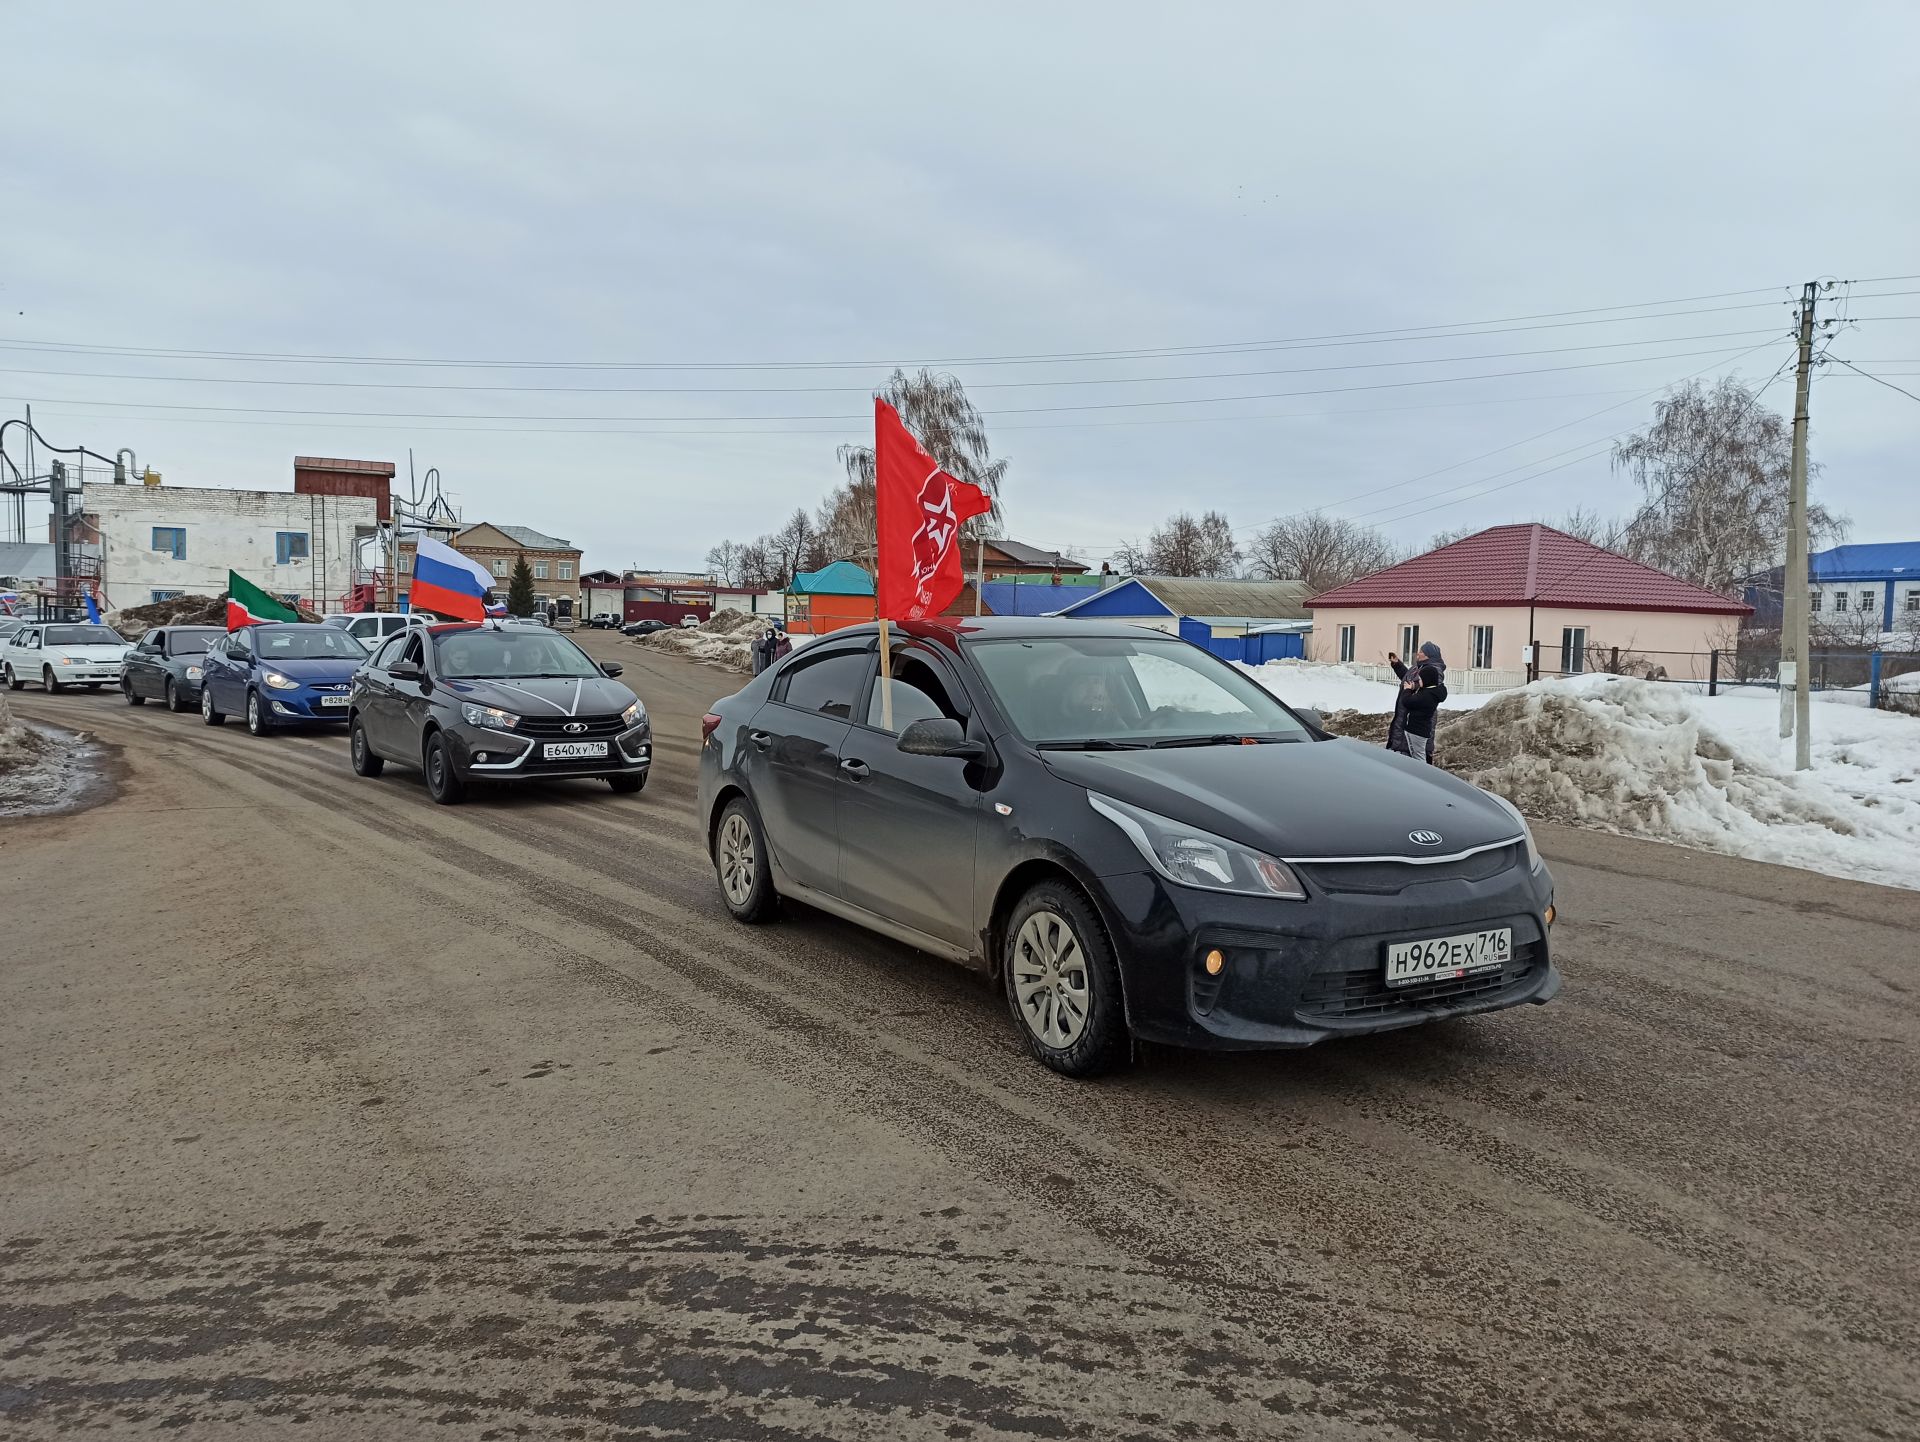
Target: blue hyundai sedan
{"points": [[280, 674]]}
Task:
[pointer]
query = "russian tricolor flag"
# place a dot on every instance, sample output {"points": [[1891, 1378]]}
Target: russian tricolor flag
{"points": [[447, 583]]}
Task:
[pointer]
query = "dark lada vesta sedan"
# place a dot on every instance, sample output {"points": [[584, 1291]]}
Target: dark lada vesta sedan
{"points": [[496, 701], [1137, 839]]}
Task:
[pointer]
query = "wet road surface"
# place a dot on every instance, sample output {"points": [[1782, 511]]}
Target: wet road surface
{"points": [[333, 1111]]}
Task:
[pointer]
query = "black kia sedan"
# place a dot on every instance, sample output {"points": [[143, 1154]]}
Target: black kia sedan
{"points": [[495, 701], [1134, 837], [168, 665]]}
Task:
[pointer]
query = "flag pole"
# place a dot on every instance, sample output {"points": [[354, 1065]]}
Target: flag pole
{"points": [[979, 568], [886, 677]]}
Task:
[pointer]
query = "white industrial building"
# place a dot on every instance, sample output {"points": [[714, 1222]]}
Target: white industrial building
{"points": [[156, 542]]}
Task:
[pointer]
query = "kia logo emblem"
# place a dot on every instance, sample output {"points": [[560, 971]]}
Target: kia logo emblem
{"points": [[574, 728], [1424, 838]]}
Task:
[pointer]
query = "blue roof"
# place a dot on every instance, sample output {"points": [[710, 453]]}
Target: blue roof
{"points": [[1129, 598], [1877, 561], [842, 578]]}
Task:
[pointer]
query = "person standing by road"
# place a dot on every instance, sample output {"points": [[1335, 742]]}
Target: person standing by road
{"points": [[1423, 686]]}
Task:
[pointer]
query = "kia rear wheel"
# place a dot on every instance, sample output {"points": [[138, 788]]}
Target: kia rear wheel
{"points": [[740, 864]]}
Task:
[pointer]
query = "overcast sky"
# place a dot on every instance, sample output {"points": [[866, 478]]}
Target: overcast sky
{"points": [[720, 185]]}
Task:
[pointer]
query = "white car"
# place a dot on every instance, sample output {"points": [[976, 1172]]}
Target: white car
{"points": [[369, 628], [689, 621], [57, 654]]}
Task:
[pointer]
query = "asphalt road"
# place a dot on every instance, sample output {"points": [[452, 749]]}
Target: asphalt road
{"points": [[331, 1111]]}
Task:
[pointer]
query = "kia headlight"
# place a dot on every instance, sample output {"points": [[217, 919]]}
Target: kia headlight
{"points": [[487, 716], [1526, 831], [1192, 857], [634, 714], [279, 682]]}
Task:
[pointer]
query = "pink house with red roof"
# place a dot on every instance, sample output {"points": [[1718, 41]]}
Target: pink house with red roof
{"points": [[1484, 599]]}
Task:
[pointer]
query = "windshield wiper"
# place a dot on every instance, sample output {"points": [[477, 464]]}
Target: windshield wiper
{"points": [[1225, 738], [1097, 743]]}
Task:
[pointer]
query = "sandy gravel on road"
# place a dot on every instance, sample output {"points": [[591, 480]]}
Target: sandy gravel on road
{"points": [[330, 1105]]}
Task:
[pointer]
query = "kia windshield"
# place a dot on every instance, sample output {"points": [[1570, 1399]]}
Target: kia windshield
{"points": [[521, 651], [84, 636], [1122, 693]]}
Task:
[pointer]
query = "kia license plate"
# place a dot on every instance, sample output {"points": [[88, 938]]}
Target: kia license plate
{"points": [[572, 750], [334, 700], [1448, 958]]}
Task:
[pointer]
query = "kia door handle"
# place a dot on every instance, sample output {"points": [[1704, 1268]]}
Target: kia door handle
{"points": [[761, 739], [857, 770]]}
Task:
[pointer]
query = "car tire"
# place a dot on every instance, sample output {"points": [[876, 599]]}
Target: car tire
{"points": [[47, 683], [741, 866], [365, 763], [257, 722], [208, 712], [14, 683], [1062, 984], [628, 785], [443, 781], [134, 698], [172, 696]]}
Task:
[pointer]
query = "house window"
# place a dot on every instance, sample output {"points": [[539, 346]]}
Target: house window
{"points": [[1813, 603], [1573, 650], [289, 546], [1346, 643], [1913, 602], [1480, 646], [566, 570], [1409, 640], [539, 570], [499, 565], [165, 595], [172, 540], [1839, 602], [1866, 601]]}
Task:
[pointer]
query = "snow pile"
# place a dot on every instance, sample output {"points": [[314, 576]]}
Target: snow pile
{"points": [[133, 622], [1648, 760], [725, 640]]}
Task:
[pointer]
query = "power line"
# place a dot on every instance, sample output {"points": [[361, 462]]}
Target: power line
{"points": [[1384, 336], [861, 390], [1870, 376], [856, 416]]}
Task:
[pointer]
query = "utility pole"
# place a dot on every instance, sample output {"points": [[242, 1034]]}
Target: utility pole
{"points": [[1798, 618]]}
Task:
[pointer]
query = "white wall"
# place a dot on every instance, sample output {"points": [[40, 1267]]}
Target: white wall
{"points": [[1678, 641], [226, 530]]}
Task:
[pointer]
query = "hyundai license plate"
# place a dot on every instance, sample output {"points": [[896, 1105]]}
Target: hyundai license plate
{"points": [[1447, 958], [335, 700], [572, 750]]}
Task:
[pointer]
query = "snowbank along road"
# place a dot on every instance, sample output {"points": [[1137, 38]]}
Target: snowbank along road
{"points": [[329, 1106]]}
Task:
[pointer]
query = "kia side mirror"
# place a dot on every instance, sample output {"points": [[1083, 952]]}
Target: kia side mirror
{"points": [[406, 671], [940, 736], [1311, 717], [611, 668]]}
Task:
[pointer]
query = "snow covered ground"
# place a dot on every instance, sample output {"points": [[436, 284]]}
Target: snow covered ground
{"points": [[1662, 761]]}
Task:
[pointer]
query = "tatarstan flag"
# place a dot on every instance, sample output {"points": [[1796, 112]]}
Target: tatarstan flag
{"points": [[248, 605]]}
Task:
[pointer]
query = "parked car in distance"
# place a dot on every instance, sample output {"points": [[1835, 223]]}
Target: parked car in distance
{"points": [[689, 620], [370, 627], [280, 673], [604, 621], [644, 628], [58, 654], [167, 664], [1137, 838], [496, 701]]}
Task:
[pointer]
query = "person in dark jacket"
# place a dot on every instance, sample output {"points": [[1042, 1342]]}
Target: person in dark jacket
{"points": [[1423, 686]]}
